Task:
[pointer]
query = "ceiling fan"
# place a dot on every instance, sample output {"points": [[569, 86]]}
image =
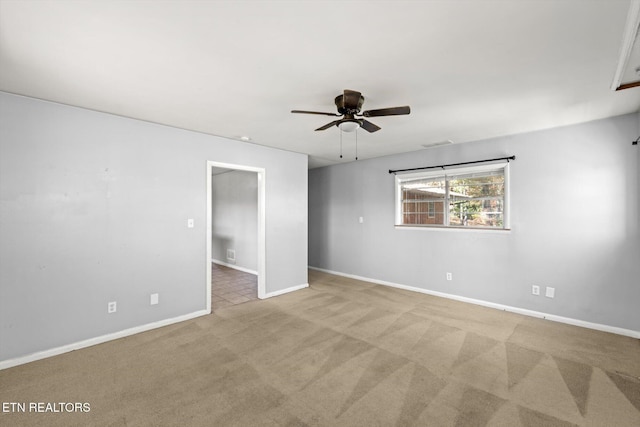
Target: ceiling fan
{"points": [[349, 105]]}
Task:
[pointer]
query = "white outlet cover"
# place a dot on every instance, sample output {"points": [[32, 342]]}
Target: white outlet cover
{"points": [[190, 223], [112, 307], [535, 290], [449, 276], [154, 299], [550, 293]]}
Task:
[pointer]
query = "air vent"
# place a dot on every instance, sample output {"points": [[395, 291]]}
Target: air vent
{"points": [[437, 144]]}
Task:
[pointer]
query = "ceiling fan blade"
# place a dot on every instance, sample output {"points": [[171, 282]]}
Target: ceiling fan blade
{"points": [[350, 99], [368, 126], [328, 125], [315, 112], [393, 111]]}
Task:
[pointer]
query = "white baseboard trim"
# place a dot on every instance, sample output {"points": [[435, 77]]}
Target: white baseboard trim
{"points": [[286, 291], [235, 267], [523, 311], [9, 363]]}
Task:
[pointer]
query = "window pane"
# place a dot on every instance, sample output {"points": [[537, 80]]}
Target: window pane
{"points": [[463, 197], [423, 201], [477, 201]]}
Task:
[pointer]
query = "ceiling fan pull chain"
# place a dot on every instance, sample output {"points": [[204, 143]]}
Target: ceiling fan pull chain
{"points": [[340, 143], [356, 144]]}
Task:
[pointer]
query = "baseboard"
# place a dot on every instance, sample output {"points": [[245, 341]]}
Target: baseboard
{"points": [[235, 267], [523, 311], [9, 363], [286, 291]]}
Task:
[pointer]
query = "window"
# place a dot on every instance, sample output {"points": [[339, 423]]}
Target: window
{"points": [[472, 197]]}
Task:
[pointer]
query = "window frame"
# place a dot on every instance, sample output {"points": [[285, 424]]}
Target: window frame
{"points": [[451, 173]]}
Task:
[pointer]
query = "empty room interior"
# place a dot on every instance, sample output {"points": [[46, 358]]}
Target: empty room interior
{"points": [[320, 213]]}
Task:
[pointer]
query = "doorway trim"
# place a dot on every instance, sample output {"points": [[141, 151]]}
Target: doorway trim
{"points": [[262, 248]]}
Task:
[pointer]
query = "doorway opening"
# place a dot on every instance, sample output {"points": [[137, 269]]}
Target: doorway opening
{"points": [[242, 250]]}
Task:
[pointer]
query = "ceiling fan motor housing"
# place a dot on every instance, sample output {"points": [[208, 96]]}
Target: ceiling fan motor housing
{"points": [[349, 104]]}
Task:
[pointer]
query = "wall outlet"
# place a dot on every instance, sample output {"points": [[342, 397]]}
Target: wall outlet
{"points": [[190, 223], [111, 307], [231, 256], [360, 219], [535, 290], [550, 293], [449, 276], [154, 299]]}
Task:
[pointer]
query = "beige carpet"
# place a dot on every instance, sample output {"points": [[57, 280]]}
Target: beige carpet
{"points": [[342, 353]]}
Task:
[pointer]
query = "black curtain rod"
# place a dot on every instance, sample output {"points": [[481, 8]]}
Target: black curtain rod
{"points": [[452, 164]]}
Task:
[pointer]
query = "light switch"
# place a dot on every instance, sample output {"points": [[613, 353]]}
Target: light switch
{"points": [[190, 223]]}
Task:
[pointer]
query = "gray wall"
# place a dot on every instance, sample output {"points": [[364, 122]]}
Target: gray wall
{"points": [[94, 208], [234, 215], [574, 202]]}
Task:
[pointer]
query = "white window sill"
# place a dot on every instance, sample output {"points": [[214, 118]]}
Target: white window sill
{"points": [[445, 228]]}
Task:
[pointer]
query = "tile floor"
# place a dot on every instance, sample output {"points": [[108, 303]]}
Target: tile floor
{"points": [[231, 287]]}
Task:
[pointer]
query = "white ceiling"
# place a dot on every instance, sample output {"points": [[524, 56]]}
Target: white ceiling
{"points": [[469, 69]]}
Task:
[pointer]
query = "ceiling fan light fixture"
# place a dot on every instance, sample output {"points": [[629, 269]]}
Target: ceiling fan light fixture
{"points": [[348, 126]]}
